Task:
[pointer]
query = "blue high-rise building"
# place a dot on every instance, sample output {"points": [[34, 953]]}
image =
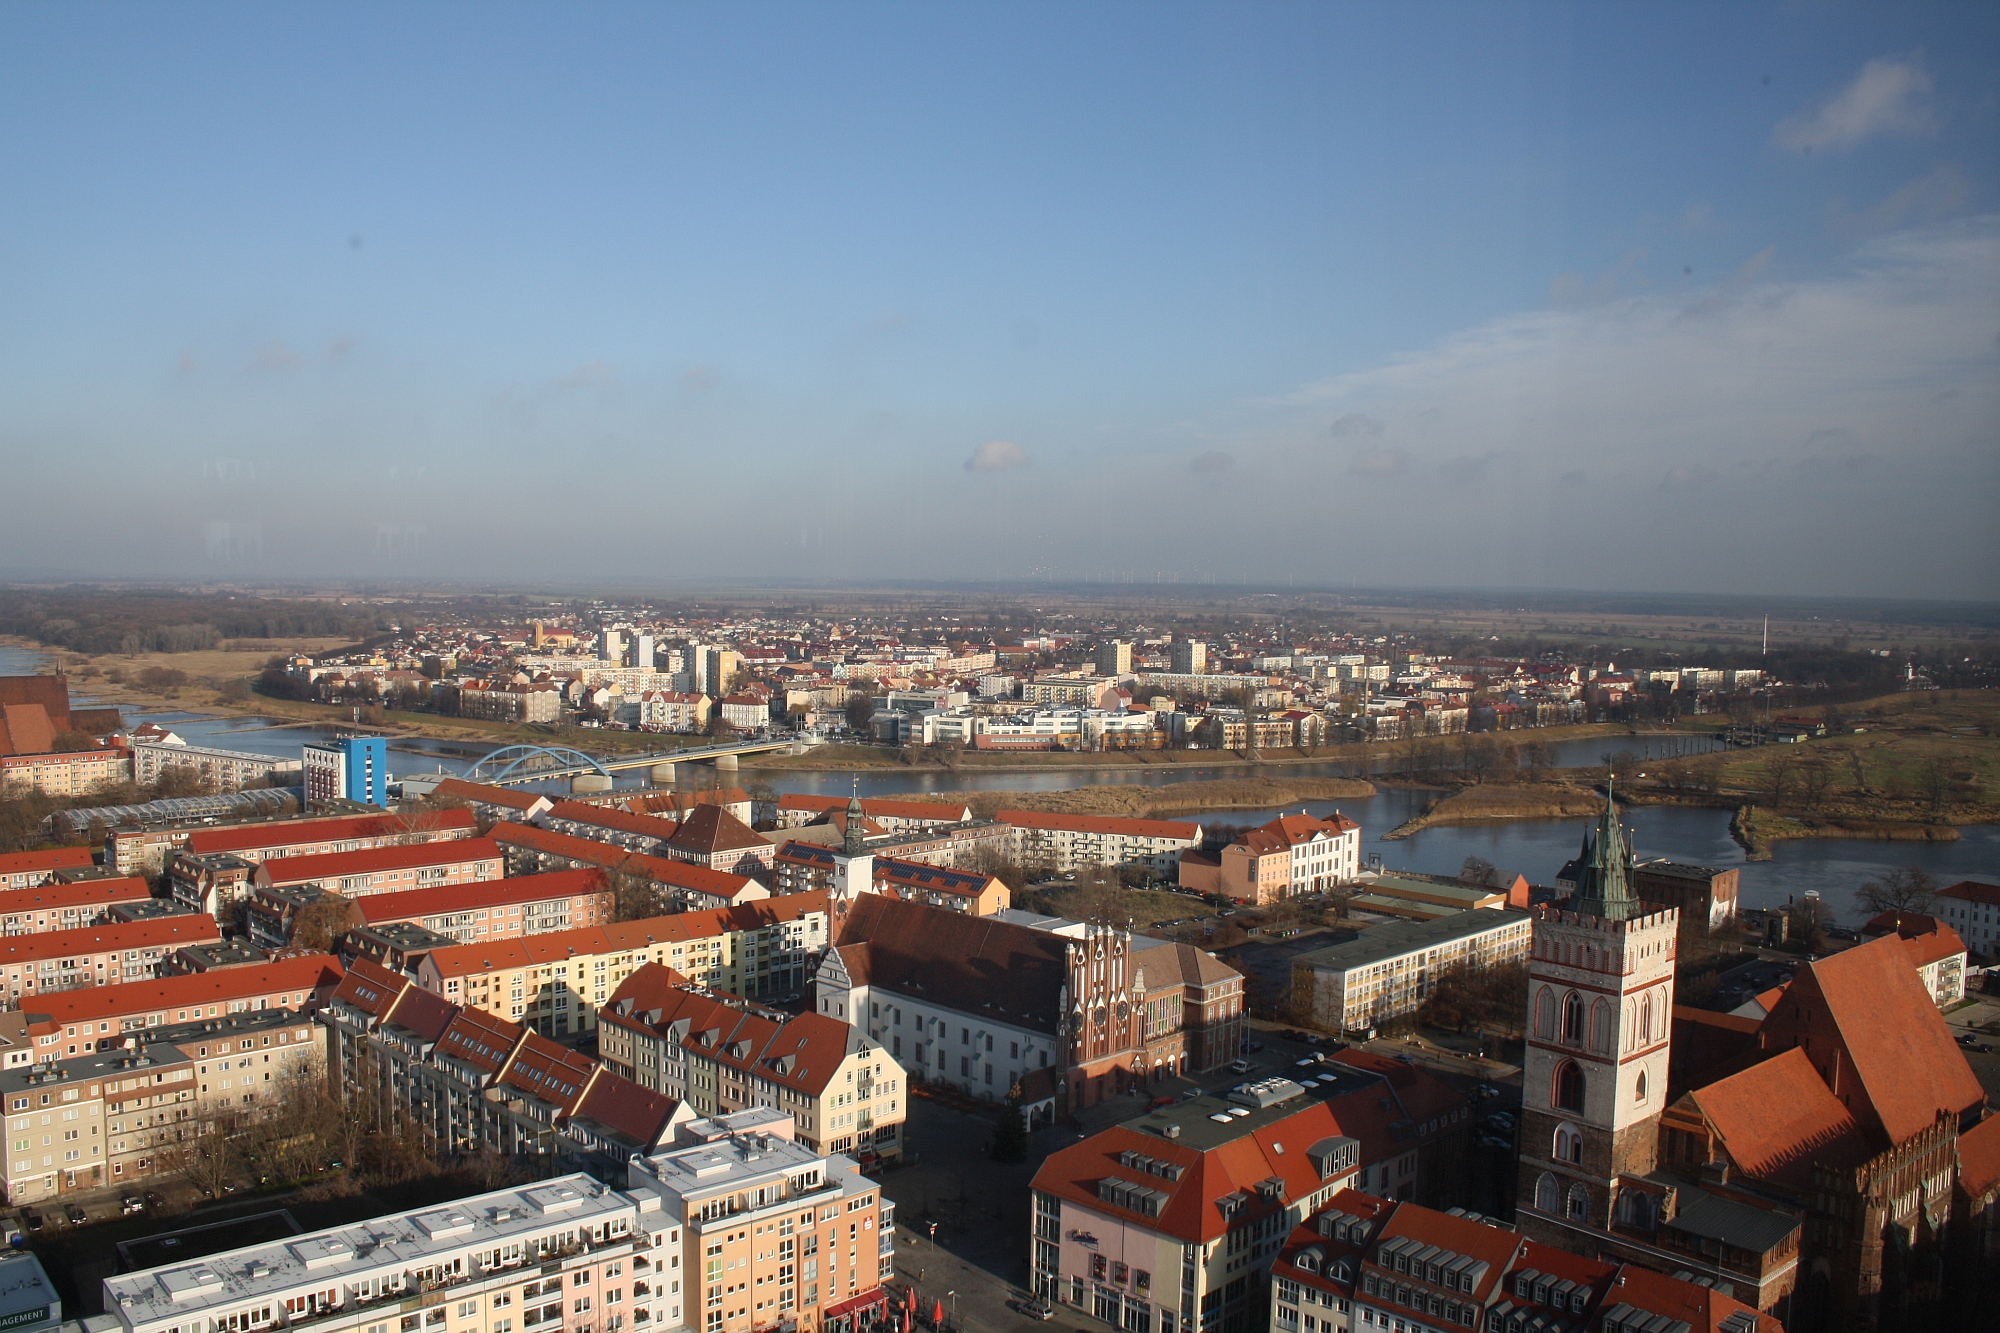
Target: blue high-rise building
{"points": [[352, 768]]}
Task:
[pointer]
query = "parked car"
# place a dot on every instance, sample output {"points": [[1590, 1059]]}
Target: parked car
{"points": [[32, 1218], [154, 1201], [131, 1204], [1158, 1102], [1240, 1066], [77, 1217], [1032, 1309]]}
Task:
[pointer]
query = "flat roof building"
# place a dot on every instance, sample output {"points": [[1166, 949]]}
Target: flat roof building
{"points": [[1389, 970]]}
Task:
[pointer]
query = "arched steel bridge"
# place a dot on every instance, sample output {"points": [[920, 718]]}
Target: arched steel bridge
{"points": [[517, 765]]}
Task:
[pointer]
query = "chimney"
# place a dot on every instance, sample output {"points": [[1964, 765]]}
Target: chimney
{"points": [[1715, 1172]]}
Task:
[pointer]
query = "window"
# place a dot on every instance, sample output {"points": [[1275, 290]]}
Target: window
{"points": [[1569, 1089], [1546, 1195], [1639, 1089], [1572, 1028], [1568, 1144], [1579, 1204]]}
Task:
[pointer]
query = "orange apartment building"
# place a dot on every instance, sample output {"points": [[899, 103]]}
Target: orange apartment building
{"points": [[27, 870], [387, 869], [103, 1017], [59, 906], [468, 913], [555, 983], [34, 966], [281, 838], [694, 887]]}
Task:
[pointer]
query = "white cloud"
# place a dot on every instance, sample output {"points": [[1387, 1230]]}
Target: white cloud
{"points": [[997, 456], [1701, 422], [1355, 424], [1889, 96]]}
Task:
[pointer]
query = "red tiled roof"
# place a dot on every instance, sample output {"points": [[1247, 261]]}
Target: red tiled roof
{"points": [[55, 897], [1704, 1308], [1979, 1159], [467, 959], [424, 1015], [410, 904], [1777, 1120], [1973, 891], [485, 793], [801, 1052], [614, 1107], [158, 932], [373, 860], [1192, 1212], [972, 963], [917, 875], [1109, 824], [611, 817], [712, 829], [548, 1072], [680, 874], [283, 980], [480, 1039], [1896, 1043], [371, 988], [297, 832], [46, 859]]}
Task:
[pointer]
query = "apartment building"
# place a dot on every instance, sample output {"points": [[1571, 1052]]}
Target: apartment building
{"points": [[710, 836], [466, 913], [1704, 895], [1290, 855], [66, 773], [796, 810], [696, 888], [667, 710], [473, 1081], [120, 1116], [722, 1054], [1367, 1263], [104, 1017], [278, 839], [27, 870], [799, 867], [555, 983], [733, 1211], [1390, 970], [217, 883], [490, 803], [1973, 910], [509, 701], [392, 869], [222, 770], [35, 966], [1057, 844], [928, 983], [59, 906]]}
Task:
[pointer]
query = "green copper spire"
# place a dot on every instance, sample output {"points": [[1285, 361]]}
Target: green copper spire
{"points": [[851, 842], [1604, 884]]}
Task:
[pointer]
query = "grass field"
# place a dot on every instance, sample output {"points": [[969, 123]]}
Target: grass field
{"points": [[1925, 758], [1493, 802]]}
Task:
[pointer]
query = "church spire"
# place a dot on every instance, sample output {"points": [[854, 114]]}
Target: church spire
{"points": [[1604, 884], [851, 842]]}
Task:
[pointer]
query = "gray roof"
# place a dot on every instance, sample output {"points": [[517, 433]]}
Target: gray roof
{"points": [[1401, 937], [1743, 1225]]}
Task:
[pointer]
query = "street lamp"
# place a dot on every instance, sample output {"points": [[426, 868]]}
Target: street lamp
{"points": [[954, 1308]]}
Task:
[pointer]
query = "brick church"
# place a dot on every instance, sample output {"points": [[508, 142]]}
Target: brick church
{"points": [[1826, 1164]]}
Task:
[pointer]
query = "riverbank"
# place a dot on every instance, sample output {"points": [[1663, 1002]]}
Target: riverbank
{"points": [[1493, 803], [1756, 829], [1181, 798]]}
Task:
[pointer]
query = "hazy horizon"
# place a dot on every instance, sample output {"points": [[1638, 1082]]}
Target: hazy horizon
{"points": [[1692, 300]]}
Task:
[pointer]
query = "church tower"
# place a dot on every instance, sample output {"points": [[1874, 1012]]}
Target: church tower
{"points": [[853, 863], [1594, 1079]]}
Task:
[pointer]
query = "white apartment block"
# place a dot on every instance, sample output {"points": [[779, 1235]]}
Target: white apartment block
{"points": [[1390, 970], [225, 770], [1062, 843]]}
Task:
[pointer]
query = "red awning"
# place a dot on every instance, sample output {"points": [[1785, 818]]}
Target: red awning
{"points": [[862, 1302]]}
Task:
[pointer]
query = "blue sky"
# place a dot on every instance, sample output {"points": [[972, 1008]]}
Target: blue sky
{"points": [[1648, 297]]}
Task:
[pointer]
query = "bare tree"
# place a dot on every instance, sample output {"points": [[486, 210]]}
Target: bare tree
{"points": [[320, 925], [1810, 919], [1777, 770], [1934, 781], [1815, 778], [636, 896], [207, 1156], [1909, 889]]}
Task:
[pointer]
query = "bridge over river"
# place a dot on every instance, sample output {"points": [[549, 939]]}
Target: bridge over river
{"points": [[518, 765]]}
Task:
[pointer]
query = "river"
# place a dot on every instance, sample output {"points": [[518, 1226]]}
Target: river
{"points": [[1535, 848]]}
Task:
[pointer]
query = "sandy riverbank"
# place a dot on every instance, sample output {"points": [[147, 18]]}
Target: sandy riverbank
{"points": [[1492, 803]]}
